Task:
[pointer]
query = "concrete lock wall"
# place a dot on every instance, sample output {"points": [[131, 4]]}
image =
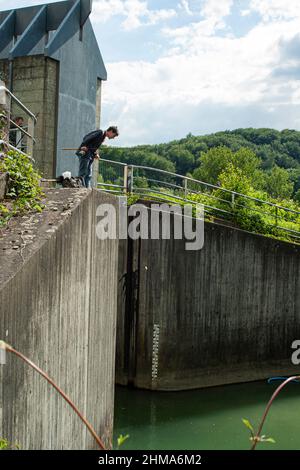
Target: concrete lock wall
{"points": [[227, 313], [58, 307]]}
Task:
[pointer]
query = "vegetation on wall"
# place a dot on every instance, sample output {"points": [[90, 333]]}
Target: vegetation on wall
{"points": [[6, 445], [24, 191]]}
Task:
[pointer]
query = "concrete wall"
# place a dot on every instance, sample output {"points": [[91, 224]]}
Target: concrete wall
{"points": [[35, 83], [79, 69], [227, 313], [58, 307]]}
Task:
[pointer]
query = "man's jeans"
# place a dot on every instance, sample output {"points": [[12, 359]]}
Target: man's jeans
{"points": [[85, 168]]}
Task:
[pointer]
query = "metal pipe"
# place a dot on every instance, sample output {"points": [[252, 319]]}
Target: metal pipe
{"points": [[2, 142], [22, 106]]}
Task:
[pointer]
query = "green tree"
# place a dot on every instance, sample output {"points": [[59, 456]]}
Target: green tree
{"points": [[234, 179], [183, 159], [278, 184], [246, 160], [294, 176], [297, 196], [156, 161], [214, 162]]}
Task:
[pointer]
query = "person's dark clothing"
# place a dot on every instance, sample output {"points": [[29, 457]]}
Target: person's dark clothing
{"points": [[85, 168], [93, 140], [16, 137], [13, 135]]}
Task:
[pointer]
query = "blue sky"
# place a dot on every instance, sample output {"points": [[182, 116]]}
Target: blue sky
{"points": [[197, 66]]}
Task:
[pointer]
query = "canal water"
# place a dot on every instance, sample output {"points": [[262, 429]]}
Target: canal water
{"points": [[207, 419]]}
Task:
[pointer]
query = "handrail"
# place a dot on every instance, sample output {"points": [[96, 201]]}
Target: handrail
{"points": [[173, 196], [27, 111], [165, 183], [31, 118], [112, 185], [183, 193], [209, 185], [22, 129], [201, 182], [3, 142], [112, 161]]}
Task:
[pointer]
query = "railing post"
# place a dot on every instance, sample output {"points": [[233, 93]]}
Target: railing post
{"points": [[30, 139], [125, 179], [130, 179], [185, 187], [232, 200], [276, 215]]}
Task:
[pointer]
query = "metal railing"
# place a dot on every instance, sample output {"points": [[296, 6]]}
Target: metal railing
{"points": [[218, 202], [22, 136]]}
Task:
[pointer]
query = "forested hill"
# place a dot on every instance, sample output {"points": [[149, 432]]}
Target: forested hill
{"points": [[269, 158]]}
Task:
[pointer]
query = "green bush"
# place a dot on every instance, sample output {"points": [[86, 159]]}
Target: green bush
{"points": [[24, 191], [252, 222]]}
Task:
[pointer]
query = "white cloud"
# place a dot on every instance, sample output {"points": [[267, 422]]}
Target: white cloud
{"points": [[205, 73], [184, 5], [245, 12], [276, 9], [216, 9], [154, 123], [213, 13], [136, 13], [103, 10]]}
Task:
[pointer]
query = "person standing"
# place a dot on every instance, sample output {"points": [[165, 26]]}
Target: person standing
{"points": [[15, 133], [88, 151]]}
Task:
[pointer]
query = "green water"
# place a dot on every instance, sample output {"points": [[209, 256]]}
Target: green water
{"points": [[207, 419]]}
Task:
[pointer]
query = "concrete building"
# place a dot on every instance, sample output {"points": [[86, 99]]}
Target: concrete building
{"points": [[50, 59]]}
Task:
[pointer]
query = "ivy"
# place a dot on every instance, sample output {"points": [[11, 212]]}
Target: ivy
{"points": [[24, 191]]}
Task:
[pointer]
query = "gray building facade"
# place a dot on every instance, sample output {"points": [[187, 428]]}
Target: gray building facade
{"points": [[50, 59]]}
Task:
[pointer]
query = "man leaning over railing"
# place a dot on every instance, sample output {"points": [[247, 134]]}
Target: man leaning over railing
{"points": [[88, 151]]}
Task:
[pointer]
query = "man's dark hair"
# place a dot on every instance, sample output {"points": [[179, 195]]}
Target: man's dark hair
{"points": [[114, 129], [18, 118]]}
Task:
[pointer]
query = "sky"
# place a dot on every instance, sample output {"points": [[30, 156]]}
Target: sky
{"points": [[198, 66]]}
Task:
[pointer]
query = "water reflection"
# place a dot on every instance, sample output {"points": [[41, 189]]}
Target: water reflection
{"points": [[208, 418]]}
